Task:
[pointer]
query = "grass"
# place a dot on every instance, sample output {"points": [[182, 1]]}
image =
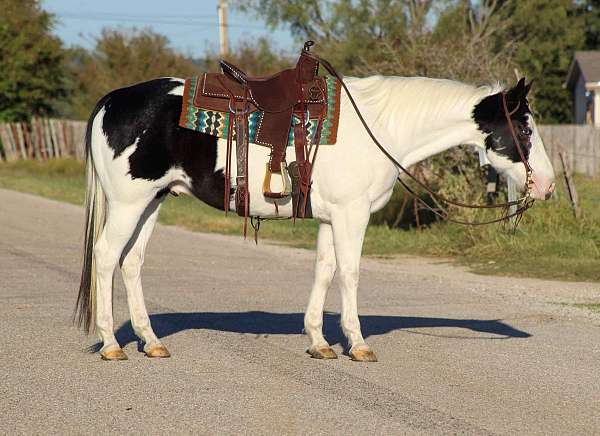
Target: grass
{"points": [[593, 307], [550, 243]]}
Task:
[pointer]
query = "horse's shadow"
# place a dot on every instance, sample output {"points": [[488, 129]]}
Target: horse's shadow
{"points": [[268, 323]]}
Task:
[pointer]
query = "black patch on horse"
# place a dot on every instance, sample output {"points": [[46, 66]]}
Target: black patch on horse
{"points": [[146, 112], [129, 111], [490, 118]]}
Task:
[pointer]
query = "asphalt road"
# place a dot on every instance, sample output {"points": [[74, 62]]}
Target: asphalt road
{"points": [[458, 353]]}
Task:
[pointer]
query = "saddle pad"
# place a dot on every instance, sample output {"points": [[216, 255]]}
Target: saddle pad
{"points": [[217, 123]]}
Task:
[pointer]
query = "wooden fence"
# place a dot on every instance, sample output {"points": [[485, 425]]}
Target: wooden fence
{"points": [[43, 138], [580, 143]]}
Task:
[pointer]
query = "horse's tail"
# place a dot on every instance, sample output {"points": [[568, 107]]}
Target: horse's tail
{"points": [[95, 217]]}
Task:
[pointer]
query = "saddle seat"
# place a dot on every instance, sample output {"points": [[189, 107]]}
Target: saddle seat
{"points": [[275, 93]]}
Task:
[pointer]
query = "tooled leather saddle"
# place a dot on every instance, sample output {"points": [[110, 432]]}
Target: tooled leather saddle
{"points": [[285, 102]]}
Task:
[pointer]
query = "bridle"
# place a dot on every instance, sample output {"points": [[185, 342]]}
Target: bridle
{"points": [[522, 203], [524, 160]]}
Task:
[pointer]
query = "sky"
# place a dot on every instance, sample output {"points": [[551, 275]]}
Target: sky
{"points": [[190, 25]]}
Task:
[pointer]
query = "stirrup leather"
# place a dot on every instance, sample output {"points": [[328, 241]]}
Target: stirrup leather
{"points": [[285, 178]]}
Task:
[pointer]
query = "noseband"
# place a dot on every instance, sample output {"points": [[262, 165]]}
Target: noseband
{"points": [[522, 203]]}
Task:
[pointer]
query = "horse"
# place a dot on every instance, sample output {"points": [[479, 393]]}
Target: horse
{"points": [[136, 154]]}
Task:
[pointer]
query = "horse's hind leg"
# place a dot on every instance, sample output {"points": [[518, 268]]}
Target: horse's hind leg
{"points": [[132, 260], [324, 272], [120, 225]]}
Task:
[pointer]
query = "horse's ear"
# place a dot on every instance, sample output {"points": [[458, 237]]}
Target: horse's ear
{"points": [[518, 92], [528, 87], [520, 89]]}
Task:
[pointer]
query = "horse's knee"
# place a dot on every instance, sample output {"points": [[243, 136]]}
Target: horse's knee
{"points": [[326, 260], [326, 265]]}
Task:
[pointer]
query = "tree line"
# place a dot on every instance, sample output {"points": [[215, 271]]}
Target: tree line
{"points": [[479, 41]]}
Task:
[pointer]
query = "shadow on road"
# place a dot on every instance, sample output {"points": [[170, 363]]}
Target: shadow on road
{"points": [[268, 323]]}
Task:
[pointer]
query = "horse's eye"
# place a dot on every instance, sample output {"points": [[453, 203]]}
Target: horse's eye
{"points": [[526, 131]]}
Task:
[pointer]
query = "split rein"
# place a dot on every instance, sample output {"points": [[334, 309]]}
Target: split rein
{"points": [[522, 204]]}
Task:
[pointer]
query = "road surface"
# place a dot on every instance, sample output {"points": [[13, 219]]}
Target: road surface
{"points": [[458, 353]]}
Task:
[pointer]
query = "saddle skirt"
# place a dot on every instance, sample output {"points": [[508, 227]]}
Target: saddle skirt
{"points": [[205, 109]]}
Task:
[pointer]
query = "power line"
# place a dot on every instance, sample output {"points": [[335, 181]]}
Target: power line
{"points": [[186, 22], [120, 15]]}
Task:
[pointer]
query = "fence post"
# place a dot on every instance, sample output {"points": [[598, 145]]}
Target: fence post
{"points": [[570, 186], [7, 144]]}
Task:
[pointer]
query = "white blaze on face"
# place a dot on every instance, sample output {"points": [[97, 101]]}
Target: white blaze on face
{"points": [[543, 174]]}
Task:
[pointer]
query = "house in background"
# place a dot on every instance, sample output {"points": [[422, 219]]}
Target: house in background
{"points": [[583, 80]]}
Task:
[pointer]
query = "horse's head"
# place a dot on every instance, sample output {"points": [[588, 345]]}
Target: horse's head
{"points": [[490, 115]]}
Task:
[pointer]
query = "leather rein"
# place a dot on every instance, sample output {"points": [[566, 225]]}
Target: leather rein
{"points": [[522, 203]]}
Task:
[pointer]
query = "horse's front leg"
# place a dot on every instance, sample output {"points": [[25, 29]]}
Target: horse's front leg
{"points": [[349, 226], [324, 272]]}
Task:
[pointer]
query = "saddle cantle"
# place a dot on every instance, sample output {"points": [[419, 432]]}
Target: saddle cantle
{"points": [[294, 106]]}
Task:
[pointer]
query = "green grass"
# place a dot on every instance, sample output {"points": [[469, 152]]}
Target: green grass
{"points": [[593, 307], [549, 244]]}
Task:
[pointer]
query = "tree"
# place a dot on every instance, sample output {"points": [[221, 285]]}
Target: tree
{"points": [[256, 58], [547, 33], [402, 37], [348, 31], [31, 69], [121, 58], [472, 40], [459, 45], [589, 10]]}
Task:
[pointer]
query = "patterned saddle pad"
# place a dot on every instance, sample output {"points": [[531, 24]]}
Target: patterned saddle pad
{"points": [[217, 123]]}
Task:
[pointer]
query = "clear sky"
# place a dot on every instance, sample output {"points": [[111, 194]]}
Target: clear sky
{"points": [[190, 25]]}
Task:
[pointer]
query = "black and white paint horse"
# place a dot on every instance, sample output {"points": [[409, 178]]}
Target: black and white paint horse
{"points": [[137, 154]]}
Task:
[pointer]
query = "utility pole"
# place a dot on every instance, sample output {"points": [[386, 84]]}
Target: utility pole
{"points": [[223, 37]]}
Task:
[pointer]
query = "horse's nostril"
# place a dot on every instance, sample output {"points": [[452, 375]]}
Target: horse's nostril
{"points": [[549, 195]]}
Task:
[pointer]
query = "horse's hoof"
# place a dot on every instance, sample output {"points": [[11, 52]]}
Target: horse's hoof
{"points": [[363, 355], [322, 353], [113, 354], [158, 350]]}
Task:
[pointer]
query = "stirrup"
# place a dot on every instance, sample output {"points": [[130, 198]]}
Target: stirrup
{"points": [[285, 178]]}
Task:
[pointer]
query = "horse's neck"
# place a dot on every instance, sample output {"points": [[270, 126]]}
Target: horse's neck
{"points": [[422, 116]]}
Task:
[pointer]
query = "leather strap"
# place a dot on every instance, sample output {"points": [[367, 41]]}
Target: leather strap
{"points": [[279, 144], [242, 196]]}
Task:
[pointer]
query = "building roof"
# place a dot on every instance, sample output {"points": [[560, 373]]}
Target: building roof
{"points": [[585, 63]]}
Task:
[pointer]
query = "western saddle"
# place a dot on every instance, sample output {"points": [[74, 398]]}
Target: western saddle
{"points": [[285, 102]]}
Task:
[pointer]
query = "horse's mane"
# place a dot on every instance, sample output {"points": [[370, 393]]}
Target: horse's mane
{"points": [[420, 96]]}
